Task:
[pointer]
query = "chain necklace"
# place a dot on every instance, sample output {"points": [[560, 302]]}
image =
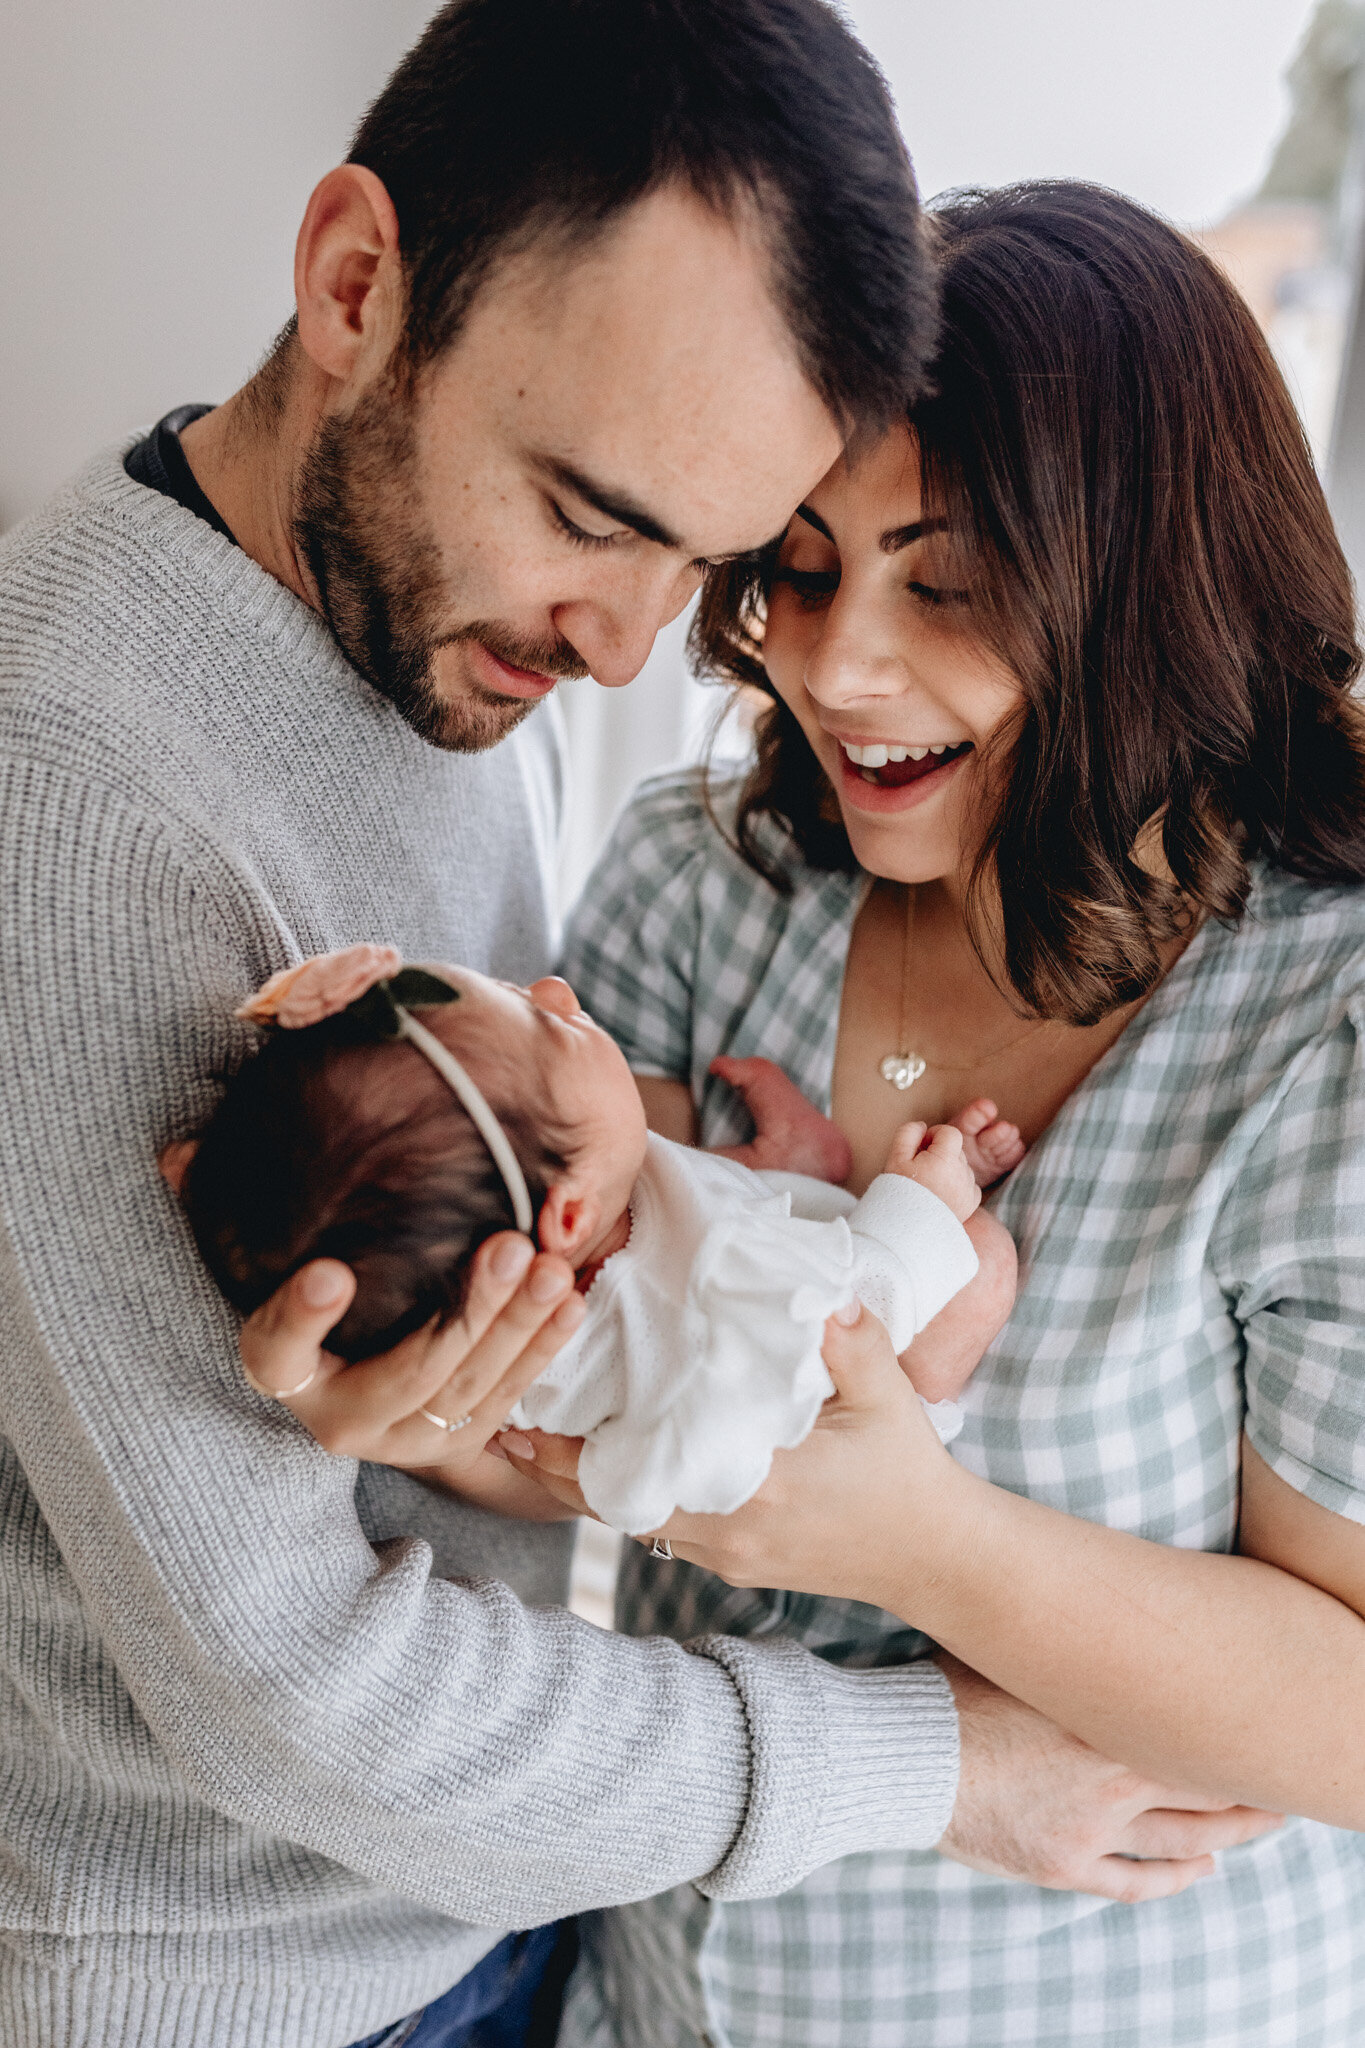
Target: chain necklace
{"points": [[903, 1069]]}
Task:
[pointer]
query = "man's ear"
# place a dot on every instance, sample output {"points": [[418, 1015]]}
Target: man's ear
{"points": [[174, 1163], [348, 273], [569, 1220]]}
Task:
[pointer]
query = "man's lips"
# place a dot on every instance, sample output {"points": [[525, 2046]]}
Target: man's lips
{"points": [[506, 678]]}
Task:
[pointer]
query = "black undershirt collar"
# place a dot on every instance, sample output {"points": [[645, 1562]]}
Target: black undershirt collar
{"points": [[160, 463]]}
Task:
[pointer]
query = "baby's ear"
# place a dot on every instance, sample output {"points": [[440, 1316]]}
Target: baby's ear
{"points": [[174, 1162], [569, 1220]]}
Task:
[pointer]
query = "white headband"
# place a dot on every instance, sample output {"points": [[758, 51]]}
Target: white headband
{"points": [[481, 1116]]}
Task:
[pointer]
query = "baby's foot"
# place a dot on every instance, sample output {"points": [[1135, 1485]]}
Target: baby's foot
{"points": [[790, 1134], [991, 1147]]}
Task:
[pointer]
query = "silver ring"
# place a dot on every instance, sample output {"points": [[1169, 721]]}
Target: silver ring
{"points": [[661, 1547], [460, 1422], [285, 1393]]}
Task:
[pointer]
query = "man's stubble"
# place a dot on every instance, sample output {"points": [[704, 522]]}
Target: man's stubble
{"points": [[377, 571]]}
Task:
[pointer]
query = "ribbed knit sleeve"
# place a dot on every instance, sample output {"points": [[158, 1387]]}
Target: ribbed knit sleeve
{"points": [[501, 1764]]}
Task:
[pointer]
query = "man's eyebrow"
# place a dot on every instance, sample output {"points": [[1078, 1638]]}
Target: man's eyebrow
{"points": [[897, 537], [611, 504]]}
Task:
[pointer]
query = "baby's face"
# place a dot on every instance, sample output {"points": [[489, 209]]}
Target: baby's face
{"points": [[573, 1074]]}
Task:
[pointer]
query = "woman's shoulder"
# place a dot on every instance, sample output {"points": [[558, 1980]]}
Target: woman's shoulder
{"points": [[1305, 937], [1286, 973]]}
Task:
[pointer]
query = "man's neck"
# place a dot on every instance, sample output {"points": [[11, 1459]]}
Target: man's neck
{"points": [[246, 455]]}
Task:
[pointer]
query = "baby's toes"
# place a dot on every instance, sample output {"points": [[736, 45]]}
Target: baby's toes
{"points": [[996, 1150], [972, 1120]]}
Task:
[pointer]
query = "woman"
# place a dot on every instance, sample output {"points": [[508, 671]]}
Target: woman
{"points": [[1060, 801]]}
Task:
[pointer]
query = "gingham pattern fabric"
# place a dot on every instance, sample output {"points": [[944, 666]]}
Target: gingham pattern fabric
{"points": [[1192, 1240]]}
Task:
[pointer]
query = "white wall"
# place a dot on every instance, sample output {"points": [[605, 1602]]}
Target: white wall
{"points": [[1176, 102], [155, 158]]}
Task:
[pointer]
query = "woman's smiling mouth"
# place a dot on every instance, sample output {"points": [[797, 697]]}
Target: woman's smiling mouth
{"points": [[893, 768]]}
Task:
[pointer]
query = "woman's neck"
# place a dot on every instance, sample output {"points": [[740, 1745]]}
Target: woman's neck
{"points": [[914, 975]]}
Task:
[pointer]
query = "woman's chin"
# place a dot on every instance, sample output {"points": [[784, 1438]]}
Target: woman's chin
{"points": [[897, 850], [918, 843]]}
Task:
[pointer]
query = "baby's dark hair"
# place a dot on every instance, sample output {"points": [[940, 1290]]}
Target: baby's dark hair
{"points": [[341, 1141]]}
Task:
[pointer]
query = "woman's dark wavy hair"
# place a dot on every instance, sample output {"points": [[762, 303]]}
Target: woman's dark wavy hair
{"points": [[1147, 548]]}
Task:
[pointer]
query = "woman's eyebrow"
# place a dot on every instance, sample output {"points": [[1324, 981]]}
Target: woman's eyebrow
{"points": [[814, 519], [897, 537]]}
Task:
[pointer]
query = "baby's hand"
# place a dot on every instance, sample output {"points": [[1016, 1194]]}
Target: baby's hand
{"points": [[992, 1148], [937, 1161], [790, 1135]]}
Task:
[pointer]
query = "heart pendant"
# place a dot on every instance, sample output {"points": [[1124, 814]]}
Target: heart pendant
{"points": [[902, 1069]]}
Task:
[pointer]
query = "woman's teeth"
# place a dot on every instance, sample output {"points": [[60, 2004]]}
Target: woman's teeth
{"points": [[892, 767], [878, 756]]}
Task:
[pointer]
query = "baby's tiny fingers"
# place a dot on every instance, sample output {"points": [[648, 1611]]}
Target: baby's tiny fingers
{"points": [[906, 1144]]}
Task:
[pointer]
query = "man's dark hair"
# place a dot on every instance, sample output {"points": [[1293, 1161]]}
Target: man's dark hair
{"points": [[516, 121]]}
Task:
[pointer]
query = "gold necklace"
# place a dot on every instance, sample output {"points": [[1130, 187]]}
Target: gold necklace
{"points": [[903, 1069]]}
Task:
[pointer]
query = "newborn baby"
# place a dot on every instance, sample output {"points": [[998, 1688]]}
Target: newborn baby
{"points": [[396, 1117]]}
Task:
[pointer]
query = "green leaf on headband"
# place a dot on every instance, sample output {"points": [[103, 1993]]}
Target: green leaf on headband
{"points": [[414, 988], [374, 1015]]}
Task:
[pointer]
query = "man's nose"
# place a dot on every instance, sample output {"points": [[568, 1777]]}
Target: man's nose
{"points": [[614, 635]]}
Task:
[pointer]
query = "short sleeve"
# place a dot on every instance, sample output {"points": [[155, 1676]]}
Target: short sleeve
{"points": [[630, 945], [1291, 1258]]}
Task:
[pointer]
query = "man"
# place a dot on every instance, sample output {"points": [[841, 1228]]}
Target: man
{"points": [[601, 291]]}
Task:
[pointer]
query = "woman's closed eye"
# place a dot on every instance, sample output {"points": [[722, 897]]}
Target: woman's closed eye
{"points": [[812, 586]]}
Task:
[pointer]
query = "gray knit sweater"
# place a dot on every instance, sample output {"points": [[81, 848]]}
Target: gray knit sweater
{"points": [[265, 1776]]}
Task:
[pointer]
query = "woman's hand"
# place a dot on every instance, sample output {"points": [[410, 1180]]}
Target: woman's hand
{"points": [[519, 1310], [843, 1513]]}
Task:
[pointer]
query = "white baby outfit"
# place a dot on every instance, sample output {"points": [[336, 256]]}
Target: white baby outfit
{"points": [[699, 1355]]}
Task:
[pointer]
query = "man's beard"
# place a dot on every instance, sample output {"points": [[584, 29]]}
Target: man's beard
{"points": [[377, 571]]}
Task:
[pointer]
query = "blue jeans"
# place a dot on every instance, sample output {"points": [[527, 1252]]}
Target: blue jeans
{"points": [[509, 2000]]}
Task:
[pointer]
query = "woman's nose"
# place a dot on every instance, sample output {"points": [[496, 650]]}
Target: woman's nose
{"points": [[847, 666]]}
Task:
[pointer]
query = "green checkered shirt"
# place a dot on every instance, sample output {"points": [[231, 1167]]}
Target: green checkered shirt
{"points": [[1192, 1239]]}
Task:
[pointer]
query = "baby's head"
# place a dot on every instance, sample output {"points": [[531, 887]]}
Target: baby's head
{"points": [[341, 1139]]}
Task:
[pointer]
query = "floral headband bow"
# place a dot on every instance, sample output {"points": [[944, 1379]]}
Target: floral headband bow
{"points": [[371, 989]]}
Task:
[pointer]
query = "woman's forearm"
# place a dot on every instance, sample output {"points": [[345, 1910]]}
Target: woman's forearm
{"points": [[1218, 1672]]}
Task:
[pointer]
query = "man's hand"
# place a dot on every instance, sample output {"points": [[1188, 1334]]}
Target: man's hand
{"points": [[519, 1310], [1034, 1803]]}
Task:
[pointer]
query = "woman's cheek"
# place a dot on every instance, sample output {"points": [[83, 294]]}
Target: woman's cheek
{"points": [[780, 655], [788, 639]]}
